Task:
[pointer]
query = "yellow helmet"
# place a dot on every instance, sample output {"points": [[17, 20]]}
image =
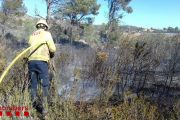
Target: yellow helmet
{"points": [[42, 21]]}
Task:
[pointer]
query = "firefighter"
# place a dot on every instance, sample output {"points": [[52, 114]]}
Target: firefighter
{"points": [[38, 61]]}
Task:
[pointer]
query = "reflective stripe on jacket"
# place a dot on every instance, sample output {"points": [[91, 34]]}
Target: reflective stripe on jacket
{"points": [[42, 52]]}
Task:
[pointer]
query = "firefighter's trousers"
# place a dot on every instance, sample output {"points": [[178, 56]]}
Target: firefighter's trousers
{"points": [[38, 71]]}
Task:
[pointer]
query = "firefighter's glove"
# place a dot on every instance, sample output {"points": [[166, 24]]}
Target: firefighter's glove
{"points": [[51, 55]]}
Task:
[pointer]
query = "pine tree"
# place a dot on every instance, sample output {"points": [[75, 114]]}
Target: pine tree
{"points": [[78, 11], [116, 11], [10, 12]]}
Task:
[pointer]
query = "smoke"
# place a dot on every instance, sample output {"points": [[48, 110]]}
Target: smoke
{"points": [[83, 90], [72, 85]]}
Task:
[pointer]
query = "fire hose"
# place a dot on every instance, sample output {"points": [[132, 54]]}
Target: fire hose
{"points": [[11, 64]]}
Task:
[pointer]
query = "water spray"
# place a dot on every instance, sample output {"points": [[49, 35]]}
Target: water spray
{"points": [[54, 71]]}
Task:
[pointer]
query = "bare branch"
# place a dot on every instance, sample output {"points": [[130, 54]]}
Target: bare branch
{"points": [[37, 13]]}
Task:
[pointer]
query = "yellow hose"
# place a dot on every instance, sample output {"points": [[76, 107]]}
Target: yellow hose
{"points": [[7, 69]]}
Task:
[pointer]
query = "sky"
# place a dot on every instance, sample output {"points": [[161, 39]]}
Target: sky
{"points": [[157, 14]]}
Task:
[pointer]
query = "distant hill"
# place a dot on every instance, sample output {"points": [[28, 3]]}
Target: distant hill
{"points": [[128, 28], [18, 32]]}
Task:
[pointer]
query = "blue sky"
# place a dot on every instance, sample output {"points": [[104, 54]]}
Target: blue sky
{"points": [[146, 13]]}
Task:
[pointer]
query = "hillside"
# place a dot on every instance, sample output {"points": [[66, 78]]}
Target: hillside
{"points": [[19, 31], [134, 75]]}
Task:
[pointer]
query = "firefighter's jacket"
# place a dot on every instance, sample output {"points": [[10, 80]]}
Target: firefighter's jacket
{"points": [[41, 52]]}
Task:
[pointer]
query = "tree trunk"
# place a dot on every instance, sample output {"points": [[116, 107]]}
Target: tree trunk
{"points": [[71, 36], [48, 11]]}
